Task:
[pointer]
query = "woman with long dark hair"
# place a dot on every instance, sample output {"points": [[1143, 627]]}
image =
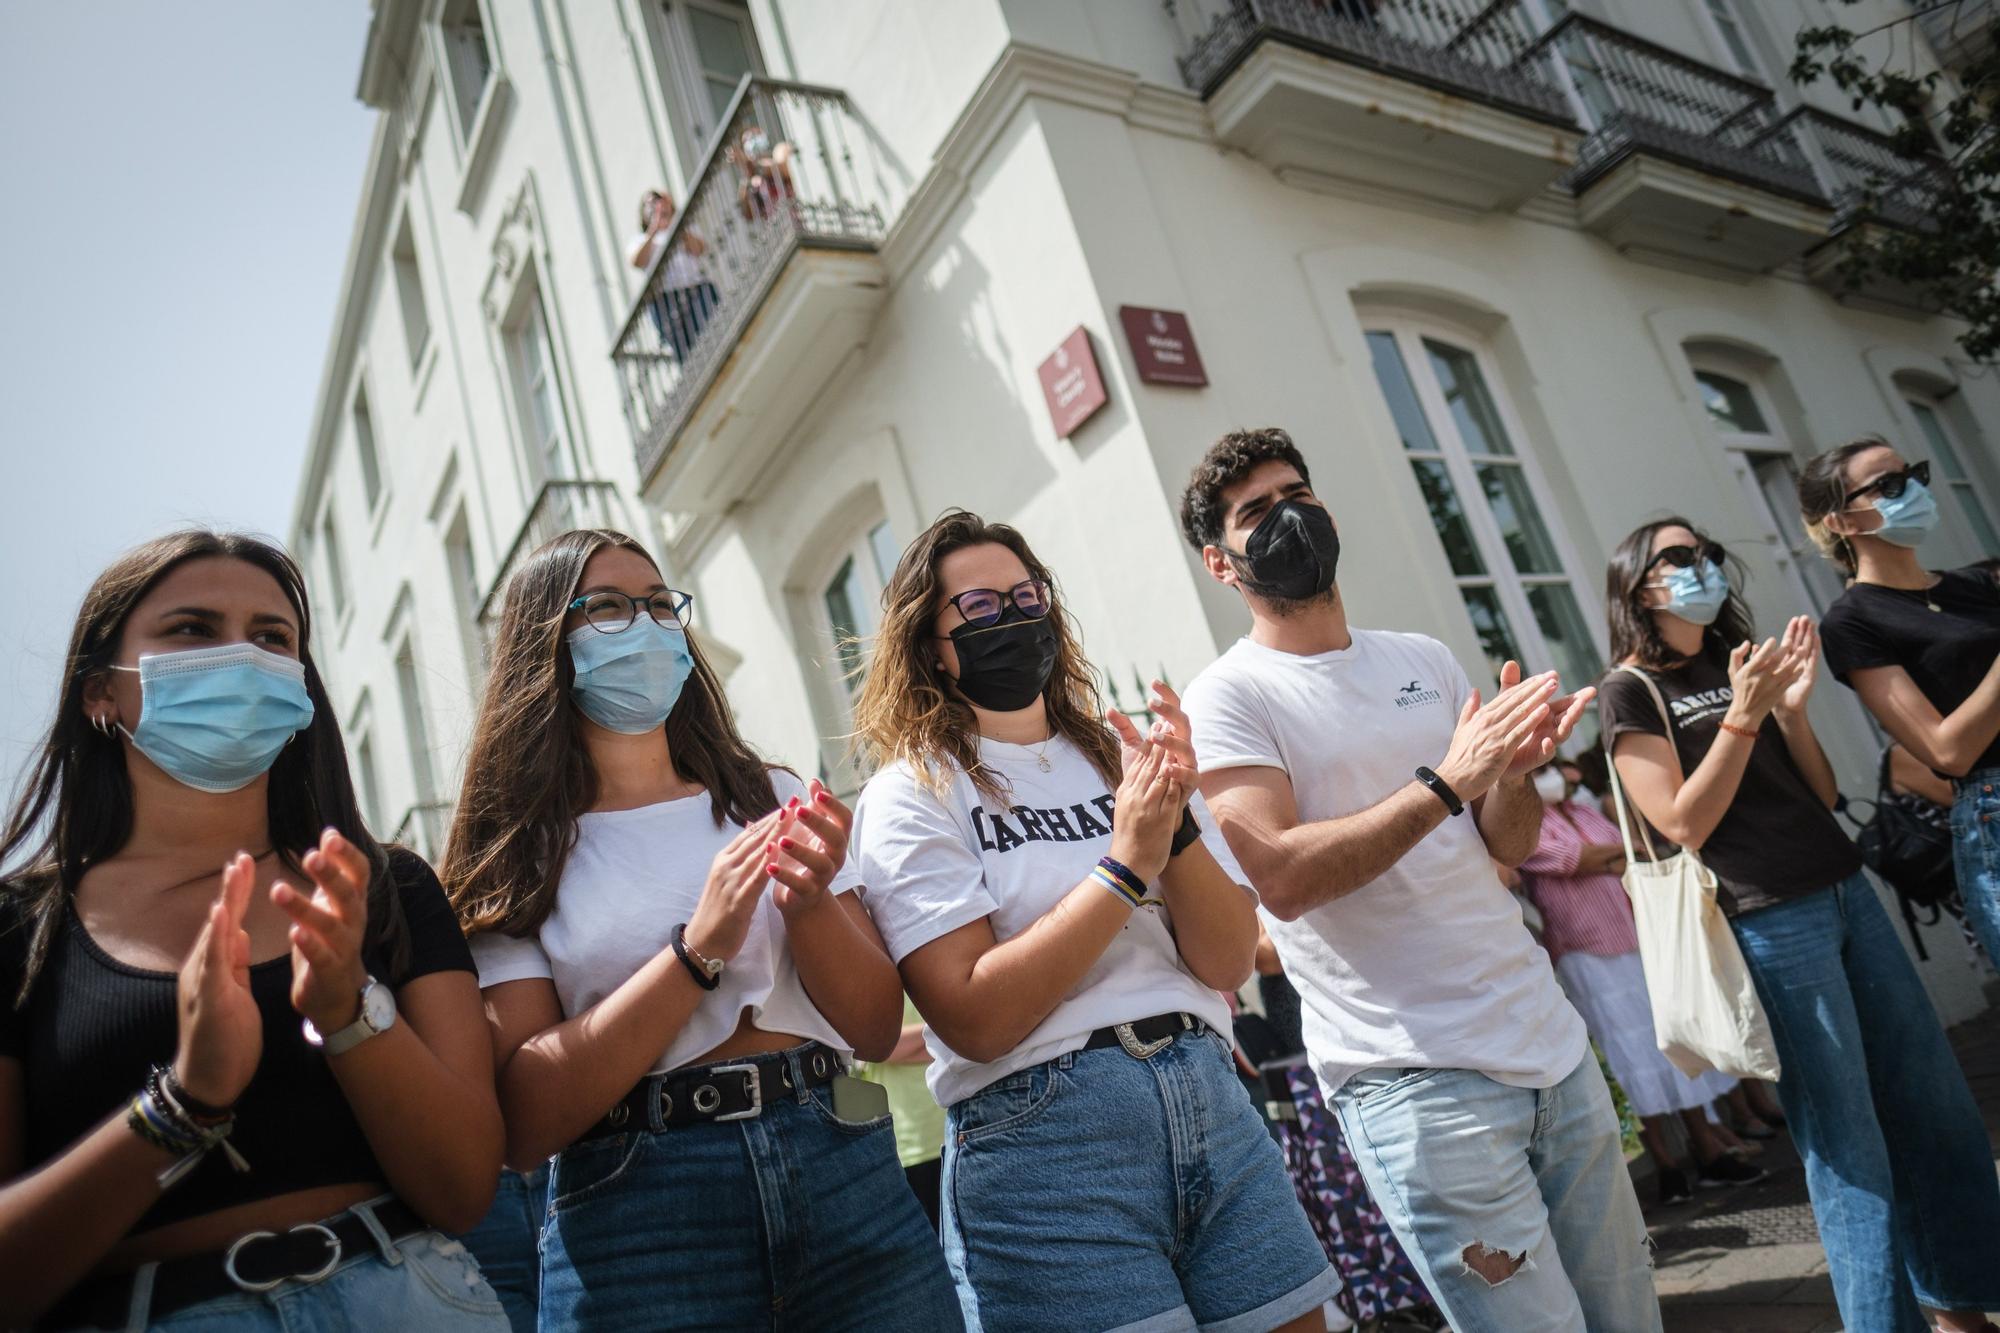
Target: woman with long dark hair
{"points": [[1709, 736], [235, 1105], [1920, 646], [677, 972], [1063, 916]]}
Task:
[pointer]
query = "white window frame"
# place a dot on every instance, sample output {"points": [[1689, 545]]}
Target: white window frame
{"points": [[418, 742], [406, 273], [454, 35], [838, 689], [333, 564], [367, 764], [1731, 61], [695, 120], [1943, 485], [367, 448], [1509, 585], [549, 456]]}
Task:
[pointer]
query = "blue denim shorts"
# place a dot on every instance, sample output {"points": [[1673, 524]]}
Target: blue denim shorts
{"points": [[508, 1243], [1102, 1191], [792, 1219]]}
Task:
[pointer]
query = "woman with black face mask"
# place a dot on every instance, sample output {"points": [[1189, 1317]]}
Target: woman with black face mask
{"points": [[1063, 914]]}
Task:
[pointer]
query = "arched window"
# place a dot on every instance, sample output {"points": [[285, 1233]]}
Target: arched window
{"points": [[1515, 572], [851, 599], [1949, 477]]}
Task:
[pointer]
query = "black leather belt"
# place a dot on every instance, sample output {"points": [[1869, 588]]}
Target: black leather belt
{"points": [[725, 1090], [1147, 1036], [256, 1261]]}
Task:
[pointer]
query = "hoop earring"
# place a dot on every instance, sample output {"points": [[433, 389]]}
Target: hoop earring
{"points": [[102, 722]]}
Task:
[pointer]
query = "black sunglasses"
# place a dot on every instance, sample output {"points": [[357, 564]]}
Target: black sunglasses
{"points": [[984, 606], [1893, 484], [1683, 557]]}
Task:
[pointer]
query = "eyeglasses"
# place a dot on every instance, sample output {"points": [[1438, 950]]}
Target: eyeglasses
{"points": [[1893, 484], [985, 606], [1683, 557], [613, 612]]}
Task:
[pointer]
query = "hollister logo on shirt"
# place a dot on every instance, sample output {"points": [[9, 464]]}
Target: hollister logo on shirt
{"points": [[1057, 824], [1416, 694], [1702, 705]]}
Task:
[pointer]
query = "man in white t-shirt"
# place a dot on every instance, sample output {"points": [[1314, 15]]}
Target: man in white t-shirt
{"points": [[1367, 790]]}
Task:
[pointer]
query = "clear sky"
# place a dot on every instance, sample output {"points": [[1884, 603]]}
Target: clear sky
{"points": [[177, 185]]}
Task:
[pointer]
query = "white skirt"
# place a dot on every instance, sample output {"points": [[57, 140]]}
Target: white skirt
{"points": [[1610, 993]]}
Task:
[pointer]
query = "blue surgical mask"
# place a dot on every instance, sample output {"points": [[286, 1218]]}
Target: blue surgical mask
{"points": [[1909, 518], [215, 719], [1696, 594], [629, 681]]}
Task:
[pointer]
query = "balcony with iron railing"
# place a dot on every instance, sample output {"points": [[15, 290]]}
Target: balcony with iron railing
{"points": [[1680, 161], [765, 282], [1421, 97], [424, 829], [558, 506]]}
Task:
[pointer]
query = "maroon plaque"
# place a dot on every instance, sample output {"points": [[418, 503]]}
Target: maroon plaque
{"points": [[1162, 345], [1071, 383]]}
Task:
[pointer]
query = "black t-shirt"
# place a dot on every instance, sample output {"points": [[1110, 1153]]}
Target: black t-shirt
{"points": [[1946, 652], [93, 1025], [1777, 841]]}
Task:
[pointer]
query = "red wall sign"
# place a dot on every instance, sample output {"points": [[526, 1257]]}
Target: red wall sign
{"points": [[1071, 383], [1162, 345]]}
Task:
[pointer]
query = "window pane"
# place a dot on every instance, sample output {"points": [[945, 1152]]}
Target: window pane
{"points": [[1496, 637], [1940, 443], [1520, 522], [1731, 403], [1447, 517], [1733, 37], [882, 543], [1956, 481], [1471, 403], [1394, 378], [842, 597], [1563, 627], [719, 44], [1778, 484]]}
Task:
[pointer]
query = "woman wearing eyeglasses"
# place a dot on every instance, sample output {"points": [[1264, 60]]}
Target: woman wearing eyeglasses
{"points": [[677, 972], [1920, 646], [1896, 1157], [1064, 914]]}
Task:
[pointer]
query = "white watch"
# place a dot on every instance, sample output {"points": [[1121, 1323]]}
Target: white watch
{"points": [[378, 1015]]}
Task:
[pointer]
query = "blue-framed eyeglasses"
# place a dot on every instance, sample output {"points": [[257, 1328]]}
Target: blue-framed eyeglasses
{"points": [[613, 612]]}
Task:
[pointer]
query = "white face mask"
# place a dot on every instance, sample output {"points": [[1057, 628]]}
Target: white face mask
{"points": [[1549, 785]]}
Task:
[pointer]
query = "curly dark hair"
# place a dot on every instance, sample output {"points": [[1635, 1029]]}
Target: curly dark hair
{"points": [[1228, 461]]}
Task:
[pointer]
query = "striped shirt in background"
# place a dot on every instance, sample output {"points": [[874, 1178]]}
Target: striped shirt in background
{"points": [[1580, 913]]}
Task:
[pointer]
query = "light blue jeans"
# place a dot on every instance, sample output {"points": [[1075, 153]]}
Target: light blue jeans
{"points": [[426, 1283], [1975, 854], [508, 1243], [1897, 1160], [1456, 1160]]}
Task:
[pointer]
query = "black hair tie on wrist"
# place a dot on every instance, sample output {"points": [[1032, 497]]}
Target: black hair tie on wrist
{"points": [[1187, 834]]}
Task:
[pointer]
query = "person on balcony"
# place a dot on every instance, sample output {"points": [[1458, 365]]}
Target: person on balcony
{"points": [[1897, 1161], [764, 174], [1064, 915], [677, 970], [682, 297], [1432, 1019], [250, 1100]]}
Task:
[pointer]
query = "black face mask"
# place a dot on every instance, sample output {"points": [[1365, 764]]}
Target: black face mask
{"points": [[1292, 554], [1006, 665]]}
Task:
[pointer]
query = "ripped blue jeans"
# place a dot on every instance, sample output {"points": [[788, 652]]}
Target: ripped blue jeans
{"points": [[1474, 1175]]}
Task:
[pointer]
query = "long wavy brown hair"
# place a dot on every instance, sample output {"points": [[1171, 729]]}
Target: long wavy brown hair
{"points": [[75, 808], [907, 708], [528, 775]]}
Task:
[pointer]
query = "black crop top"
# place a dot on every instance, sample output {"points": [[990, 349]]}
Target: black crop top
{"points": [[92, 1025]]}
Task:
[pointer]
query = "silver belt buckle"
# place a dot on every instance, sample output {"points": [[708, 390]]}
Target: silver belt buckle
{"points": [[1140, 1050], [754, 1080], [245, 1284]]}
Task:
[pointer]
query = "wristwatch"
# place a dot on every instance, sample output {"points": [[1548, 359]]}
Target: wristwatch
{"points": [[378, 1015]]}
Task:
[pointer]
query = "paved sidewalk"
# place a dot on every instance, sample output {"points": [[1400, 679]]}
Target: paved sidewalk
{"points": [[1749, 1259]]}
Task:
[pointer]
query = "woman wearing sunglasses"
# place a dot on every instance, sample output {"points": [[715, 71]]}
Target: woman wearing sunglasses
{"points": [[1896, 1156], [677, 972], [235, 1105], [1064, 920], [1920, 646]]}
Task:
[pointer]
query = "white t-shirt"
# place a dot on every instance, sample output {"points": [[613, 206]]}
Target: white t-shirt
{"points": [[1429, 966], [931, 866], [681, 270], [632, 877]]}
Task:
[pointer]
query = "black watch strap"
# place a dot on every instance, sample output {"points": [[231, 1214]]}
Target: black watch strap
{"points": [[1441, 789], [702, 976], [1187, 834]]}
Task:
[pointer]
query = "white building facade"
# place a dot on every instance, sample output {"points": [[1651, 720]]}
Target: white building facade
{"points": [[1517, 276]]}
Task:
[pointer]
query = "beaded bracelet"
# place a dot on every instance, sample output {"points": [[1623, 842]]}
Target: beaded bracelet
{"points": [[1748, 733], [1118, 878], [156, 1116]]}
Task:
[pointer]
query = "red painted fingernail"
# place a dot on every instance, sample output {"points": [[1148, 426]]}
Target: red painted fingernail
{"points": [[786, 843], [771, 869]]}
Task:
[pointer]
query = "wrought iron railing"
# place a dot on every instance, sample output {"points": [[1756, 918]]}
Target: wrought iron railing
{"points": [[424, 829], [1467, 47], [558, 507], [1861, 171], [740, 223], [1638, 96]]}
